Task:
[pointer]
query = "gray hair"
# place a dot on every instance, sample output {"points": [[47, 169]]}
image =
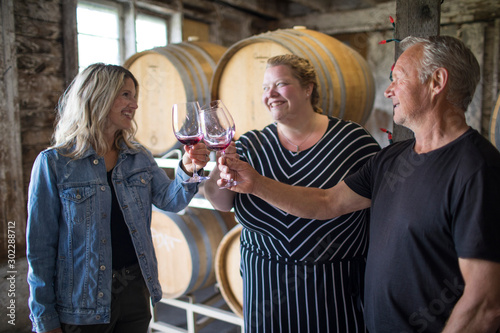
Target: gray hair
{"points": [[452, 54]]}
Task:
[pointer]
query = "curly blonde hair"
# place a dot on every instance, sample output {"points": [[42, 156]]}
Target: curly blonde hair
{"points": [[303, 71]]}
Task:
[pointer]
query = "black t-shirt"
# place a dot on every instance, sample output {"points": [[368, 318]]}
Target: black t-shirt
{"points": [[123, 252], [426, 211]]}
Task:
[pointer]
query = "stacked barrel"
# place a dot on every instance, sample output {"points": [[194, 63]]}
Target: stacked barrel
{"points": [[167, 75]]}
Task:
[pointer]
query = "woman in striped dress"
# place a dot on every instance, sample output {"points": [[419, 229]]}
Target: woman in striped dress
{"points": [[299, 275]]}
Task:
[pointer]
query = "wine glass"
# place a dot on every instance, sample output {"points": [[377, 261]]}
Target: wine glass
{"points": [[187, 129], [218, 129]]}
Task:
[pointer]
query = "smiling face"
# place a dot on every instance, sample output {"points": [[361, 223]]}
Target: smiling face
{"points": [[122, 112], [282, 93], [410, 97]]}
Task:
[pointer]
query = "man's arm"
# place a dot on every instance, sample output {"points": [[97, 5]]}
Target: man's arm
{"points": [[306, 202], [478, 310]]}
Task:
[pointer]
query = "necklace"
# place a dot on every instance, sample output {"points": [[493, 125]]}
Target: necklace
{"points": [[297, 147]]}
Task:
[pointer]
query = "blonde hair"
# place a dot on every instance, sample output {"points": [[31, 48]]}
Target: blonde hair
{"points": [[84, 107], [303, 71]]}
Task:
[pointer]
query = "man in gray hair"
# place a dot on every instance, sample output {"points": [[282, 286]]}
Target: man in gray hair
{"points": [[434, 258]]}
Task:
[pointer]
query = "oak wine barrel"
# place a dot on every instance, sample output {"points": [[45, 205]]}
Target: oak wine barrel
{"points": [[185, 246], [227, 270], [346, 83], [171, 74]]}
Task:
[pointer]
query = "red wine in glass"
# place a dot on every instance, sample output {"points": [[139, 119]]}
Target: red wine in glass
{"points": [[187, 129], [189, 140], [217, 147]]}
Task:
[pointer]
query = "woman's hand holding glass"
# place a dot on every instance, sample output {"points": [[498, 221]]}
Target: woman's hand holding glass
{"points": [[234, 168], [229, 152], [195, 158]]}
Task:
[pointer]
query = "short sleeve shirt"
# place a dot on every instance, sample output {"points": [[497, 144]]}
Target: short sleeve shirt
{"points": [[427, 210]]}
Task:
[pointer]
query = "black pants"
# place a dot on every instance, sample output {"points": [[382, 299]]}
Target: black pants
{"points": [[130, 306]]}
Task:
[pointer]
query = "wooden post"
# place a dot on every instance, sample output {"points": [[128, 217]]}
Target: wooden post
{"points": [[70, 42], [12, 200], [419, 18]]}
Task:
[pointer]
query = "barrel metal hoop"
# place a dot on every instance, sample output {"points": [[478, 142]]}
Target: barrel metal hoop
{"points": [[185, 75], [202, 53], [369, 87], [328, 77], [203, 95], [220, 221], [195, 71], [208, 250]]}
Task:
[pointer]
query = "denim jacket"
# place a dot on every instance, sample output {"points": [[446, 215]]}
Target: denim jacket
{"points": [[68, 230]]}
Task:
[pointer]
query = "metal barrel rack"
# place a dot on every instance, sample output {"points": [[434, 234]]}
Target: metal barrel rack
{"points": [[200, 311]]}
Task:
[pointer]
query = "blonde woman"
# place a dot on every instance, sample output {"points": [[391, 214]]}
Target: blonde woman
{"points": [[92, 265]]}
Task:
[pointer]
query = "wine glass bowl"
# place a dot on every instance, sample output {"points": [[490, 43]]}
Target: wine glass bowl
{"points": [[218, 104], [218, 129], [187, 129]]}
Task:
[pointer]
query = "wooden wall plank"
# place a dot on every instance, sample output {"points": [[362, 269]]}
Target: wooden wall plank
{"points": [[376, 17], [12, 199], [414, 18], [70, 42]]}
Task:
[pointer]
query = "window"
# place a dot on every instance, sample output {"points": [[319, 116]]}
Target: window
{"points": [[98, 34], [150, 32], [110, 31]]}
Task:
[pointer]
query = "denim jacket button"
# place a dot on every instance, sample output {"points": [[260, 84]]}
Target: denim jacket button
{"points": [[103, 188], [102, 267], [100, 295], [96, 162], [97, 317]]}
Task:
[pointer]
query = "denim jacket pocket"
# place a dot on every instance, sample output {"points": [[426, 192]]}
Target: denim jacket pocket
{"points": [[77, 202], [141, 179], [139, 187]]}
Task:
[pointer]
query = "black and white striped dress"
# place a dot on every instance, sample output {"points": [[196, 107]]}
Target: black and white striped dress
{"points": [[302, 275]]}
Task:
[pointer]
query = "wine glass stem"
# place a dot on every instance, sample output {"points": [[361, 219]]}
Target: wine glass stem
{"points": [[195, 172], [224, 154]]}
